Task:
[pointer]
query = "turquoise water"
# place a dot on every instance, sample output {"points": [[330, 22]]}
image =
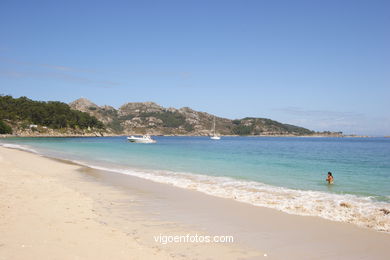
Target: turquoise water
{"points": [[287, 173]]}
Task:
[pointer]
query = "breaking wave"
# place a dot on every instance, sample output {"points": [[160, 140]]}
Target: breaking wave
{"points": [[359, 210], [362, 211], [19, 147]]}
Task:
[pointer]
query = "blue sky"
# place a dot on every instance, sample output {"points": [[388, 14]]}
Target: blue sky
{"points": [[324, 65]]}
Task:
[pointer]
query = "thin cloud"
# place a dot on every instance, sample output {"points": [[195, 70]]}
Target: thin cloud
{"points": [[318, 113], [348, 122], [63, 73], [56, 67], [44, 65], [180, 74], [11, 74], [61, 76]]}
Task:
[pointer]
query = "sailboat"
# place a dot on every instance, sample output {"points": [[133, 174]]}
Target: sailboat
{"points": [[214, 136]]}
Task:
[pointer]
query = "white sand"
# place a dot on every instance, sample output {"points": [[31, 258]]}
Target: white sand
{"points": [[45, 214], [54, 210]]}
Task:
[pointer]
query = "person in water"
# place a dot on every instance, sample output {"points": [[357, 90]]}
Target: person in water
{"points": [[330, 178]]}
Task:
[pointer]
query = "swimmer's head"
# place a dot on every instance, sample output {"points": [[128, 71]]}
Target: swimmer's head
{"points": [[329, 173]]}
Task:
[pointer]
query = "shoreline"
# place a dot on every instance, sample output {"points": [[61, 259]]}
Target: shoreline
{"points": [[122, 135], [261, 229], [350, 208], [52, 208]]}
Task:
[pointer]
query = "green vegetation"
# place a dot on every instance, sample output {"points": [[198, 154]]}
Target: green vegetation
{"points": [[52, 114], [109, 112], [115, 125], [170, 119], [4, 128], [149, 117], [258, 126], [188, 127], [126, 117], [298, 130], [242, 130]]}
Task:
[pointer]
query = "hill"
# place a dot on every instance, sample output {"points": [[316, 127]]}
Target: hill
{"points": [[151, 118], [25, 116]]}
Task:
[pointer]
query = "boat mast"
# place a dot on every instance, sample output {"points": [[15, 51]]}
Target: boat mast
{"points": [[214, 127]]}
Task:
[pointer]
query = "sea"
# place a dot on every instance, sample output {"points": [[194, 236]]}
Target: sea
{"points": [[284, 173]]}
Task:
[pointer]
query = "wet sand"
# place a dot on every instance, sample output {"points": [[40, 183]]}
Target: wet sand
{"points": [[52, 208], [278, 234]]}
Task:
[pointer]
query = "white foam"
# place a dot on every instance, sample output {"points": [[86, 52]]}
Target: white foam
{"points": [[362, 211], [19, 147]]}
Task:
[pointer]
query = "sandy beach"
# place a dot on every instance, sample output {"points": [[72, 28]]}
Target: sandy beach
{"points": [[51, 209], [48, 210]]}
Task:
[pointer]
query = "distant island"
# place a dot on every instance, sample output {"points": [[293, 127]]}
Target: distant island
{"points": [[25, 117]]}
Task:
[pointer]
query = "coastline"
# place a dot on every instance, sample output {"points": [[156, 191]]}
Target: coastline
{"points": [[163, 208], [52, 210], [368, 210], [117, 135]]}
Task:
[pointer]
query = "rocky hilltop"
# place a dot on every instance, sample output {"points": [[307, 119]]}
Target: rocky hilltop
{"points": [[151, 118]]}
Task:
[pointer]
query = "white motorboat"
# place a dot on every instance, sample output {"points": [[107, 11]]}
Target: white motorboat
{"points": [[214, 136], [145, 139]]}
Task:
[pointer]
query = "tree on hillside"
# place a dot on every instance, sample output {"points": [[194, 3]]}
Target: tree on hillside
{"points": [[52, 114], [4, 128]]}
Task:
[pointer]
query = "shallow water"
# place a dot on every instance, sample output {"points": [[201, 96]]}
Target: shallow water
{"points": [[286, 173]]}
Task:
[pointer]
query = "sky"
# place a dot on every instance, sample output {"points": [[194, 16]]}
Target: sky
{"points": [[323, 65]]}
